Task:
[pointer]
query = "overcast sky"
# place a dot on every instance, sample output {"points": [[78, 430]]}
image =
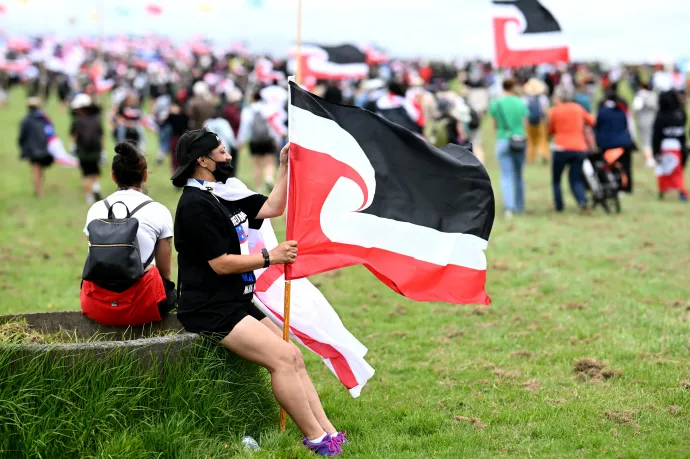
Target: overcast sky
{"points": [[640, 30]]}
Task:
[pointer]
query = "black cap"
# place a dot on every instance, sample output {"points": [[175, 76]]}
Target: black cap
{"points": [[192, 145]]}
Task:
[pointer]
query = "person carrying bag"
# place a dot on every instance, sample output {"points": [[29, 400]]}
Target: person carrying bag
{"points": [[510, 116], [126, 275]]}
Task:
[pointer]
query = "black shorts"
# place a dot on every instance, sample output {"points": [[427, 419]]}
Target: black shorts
{"points": [[44, 161], [89, 167], [262, 148], [218, 322]]}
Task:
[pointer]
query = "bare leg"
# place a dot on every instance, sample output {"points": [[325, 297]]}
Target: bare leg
{"points": [[312, 395], [258, 179], [253, 341], [648, 156], [268, 169], [37, 177], [87, 183], [478, 152]]}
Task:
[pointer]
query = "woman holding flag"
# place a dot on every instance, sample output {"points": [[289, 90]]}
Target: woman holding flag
{"points": [[217, 282]]}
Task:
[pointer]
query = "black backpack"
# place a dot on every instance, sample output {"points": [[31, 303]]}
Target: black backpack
{"points": [[89, 135], [114, 261]]}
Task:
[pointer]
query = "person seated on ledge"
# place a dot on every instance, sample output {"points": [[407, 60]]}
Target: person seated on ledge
{"points": [[153, 295], [216, 277]]}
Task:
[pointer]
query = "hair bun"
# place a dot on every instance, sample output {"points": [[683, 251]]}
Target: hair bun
{"points": [[127, 150]]}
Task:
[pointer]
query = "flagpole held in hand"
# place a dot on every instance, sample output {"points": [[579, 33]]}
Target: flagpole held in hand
{"points": [[286, 300], [286, 337]]}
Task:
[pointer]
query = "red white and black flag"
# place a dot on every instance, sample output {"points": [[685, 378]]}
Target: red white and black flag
{"points": [[363, 190], [321, 62], [526, 33]]}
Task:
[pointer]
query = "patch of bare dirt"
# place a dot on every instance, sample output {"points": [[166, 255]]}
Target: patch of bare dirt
{"points": [[586, 368], [532, 292], [674, 409], [399, 310], [456, 334], [621, 417], [505, 374], [574, 306], [500, 266], [481, 310], [518, 334], [556, 401], [397, 334], [685, 384], [532, 385], [586, 340], [476, 422], [680, 304]]}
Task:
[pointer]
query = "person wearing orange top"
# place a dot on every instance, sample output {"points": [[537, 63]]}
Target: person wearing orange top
{"points": [[568, 124]]}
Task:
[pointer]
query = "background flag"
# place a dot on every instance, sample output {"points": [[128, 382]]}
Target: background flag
{"points": [[526, 33]]}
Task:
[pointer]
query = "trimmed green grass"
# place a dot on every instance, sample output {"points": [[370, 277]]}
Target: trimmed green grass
{"points": [[451, 381]]}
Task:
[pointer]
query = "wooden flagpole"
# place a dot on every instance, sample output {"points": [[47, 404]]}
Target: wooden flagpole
{"points": [[286, 299], [286, 337], [298, 54]]}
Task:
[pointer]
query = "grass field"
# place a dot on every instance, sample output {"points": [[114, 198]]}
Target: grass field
{"points": [[451, 381]]}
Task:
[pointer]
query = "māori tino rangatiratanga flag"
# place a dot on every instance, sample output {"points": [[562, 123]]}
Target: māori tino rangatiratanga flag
{"points": [[363, 190], [526, 33]]}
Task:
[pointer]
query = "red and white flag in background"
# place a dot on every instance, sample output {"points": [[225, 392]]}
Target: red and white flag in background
{"points": [[669, 170], [526, 33]]}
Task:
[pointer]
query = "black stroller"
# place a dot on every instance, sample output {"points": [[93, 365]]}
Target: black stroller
{"points": [[604, 177]]}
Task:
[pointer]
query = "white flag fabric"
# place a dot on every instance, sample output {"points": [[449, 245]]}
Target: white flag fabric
{"points": [[313, 321], [57, 150]]}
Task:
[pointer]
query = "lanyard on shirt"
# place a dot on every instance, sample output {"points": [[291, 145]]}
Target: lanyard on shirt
{"points": [[203, 185]]}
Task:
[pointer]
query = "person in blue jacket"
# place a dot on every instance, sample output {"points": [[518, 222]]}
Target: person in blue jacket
{"points": [[33, 143], [612, 130]]}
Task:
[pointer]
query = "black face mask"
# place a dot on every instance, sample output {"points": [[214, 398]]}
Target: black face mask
{"points": [[223, 171]]}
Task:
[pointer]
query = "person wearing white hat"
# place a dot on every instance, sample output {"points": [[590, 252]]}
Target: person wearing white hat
{"points": [[538, 105]]}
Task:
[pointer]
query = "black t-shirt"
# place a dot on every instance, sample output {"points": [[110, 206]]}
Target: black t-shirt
{"points": [[89, 134], [206, 228], [179, 123], [129, 112]]}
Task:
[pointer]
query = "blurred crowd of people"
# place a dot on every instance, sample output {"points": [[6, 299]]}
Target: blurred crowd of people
{"points": [[554, 114]]}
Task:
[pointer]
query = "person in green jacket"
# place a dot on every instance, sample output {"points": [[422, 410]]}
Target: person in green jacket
{"points": [[510, 116]]}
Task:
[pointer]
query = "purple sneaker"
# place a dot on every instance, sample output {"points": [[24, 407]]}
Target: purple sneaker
{"points": [[329, 446], [340, 438]]}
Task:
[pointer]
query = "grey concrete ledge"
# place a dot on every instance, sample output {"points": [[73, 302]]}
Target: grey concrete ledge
{"points": [[85, 328], [112, 340]]}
